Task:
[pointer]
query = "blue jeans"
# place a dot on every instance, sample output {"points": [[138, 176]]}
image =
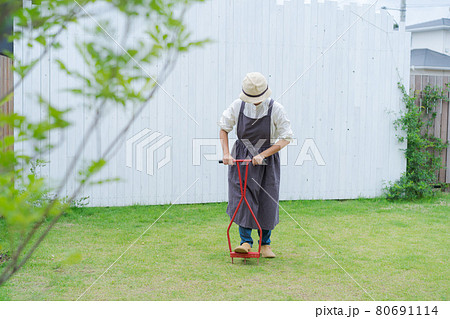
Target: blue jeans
{"points": [[246, 236]]}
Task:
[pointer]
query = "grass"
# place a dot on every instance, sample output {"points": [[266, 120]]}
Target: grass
{"points": [[394, 250]]}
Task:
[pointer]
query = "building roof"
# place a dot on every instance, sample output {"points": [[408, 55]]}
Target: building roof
{"points": [[429, 59], [443, 23]]}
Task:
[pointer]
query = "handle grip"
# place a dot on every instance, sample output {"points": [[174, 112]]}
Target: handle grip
{"points": [[264, 161]]}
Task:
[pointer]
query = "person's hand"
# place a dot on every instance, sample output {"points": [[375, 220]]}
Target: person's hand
{"points": [[228, 159], [258, 159]]}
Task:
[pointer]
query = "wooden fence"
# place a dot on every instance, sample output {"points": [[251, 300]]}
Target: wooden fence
{"points": [[6, 85], [441, 126]]}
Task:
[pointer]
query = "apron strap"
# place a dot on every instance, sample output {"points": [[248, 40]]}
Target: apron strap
{"points": [[242, 107], [269, 111]]}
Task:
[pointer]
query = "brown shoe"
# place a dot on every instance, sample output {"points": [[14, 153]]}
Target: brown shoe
{"points": [[266, 252], [243, 249]]}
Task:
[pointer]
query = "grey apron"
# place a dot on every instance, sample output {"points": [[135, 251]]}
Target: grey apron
{"points": [[253, 138]]}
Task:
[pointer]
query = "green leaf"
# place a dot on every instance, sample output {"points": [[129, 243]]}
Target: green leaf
{"points": [[41, 39]]}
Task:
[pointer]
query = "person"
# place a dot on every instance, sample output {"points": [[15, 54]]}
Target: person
{"points": [[263, 129]]}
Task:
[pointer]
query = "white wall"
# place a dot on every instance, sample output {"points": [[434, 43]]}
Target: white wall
{"points": [[433, 40], [429, 72], [446, 46], [345, 103]]}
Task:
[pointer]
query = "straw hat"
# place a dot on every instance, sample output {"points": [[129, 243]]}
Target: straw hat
{"points": [[254, 88]]}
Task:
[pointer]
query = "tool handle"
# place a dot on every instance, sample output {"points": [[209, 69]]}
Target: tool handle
{"points": [[264, 161]]}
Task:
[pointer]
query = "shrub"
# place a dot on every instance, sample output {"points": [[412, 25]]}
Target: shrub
{"points": [[423, 150]]}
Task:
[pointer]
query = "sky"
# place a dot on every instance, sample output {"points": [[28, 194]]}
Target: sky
{"points": [[416, 10]]}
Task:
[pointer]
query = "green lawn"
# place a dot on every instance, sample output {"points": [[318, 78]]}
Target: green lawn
{"points": [[395, 251]]}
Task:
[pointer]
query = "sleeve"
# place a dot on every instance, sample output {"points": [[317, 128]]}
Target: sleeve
{"points": [[228, 118], [282, 124]]}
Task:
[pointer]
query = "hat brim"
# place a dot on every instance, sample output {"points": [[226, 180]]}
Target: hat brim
{"points": [[254, 100]]}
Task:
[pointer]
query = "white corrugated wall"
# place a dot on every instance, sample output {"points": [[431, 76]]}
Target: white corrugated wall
{"points": [[344, 103]]}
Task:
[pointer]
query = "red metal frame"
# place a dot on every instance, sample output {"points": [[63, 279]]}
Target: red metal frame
{"points": [[243, 191]]}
